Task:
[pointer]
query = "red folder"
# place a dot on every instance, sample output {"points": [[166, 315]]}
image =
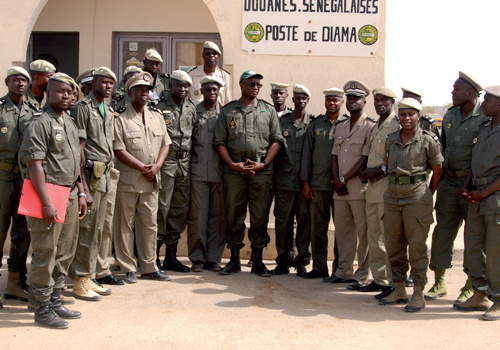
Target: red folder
{"points": [[30, 204]]}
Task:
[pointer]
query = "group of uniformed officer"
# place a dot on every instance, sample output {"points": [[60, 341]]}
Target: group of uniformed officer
{"points": [[153, 162]]}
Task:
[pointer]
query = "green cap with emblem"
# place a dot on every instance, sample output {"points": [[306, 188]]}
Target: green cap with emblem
{"points": [[279, 86], [181, 76], [86, 77], [18, 71], [105, 72], [42, 66], [334, 92], [143, 78], [409, 103], [153, 55], [493, 90], [212, 46], [250, 74], [208, 80], [63, 78], [472, 80], [301, 89], [356, 88], [384, 91]]}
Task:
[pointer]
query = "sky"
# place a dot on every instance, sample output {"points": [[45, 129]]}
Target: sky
{"points": [[429, 41]]}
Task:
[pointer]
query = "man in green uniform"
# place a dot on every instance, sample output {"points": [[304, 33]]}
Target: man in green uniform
{"points": [[41, 71], [161, 81], [425, 122], [247, 138], [179, 114], [376, 174], [50, 153], [279, 94], [120, 96], [460, 126], [94, 120], [207, 217], [15, 113], [316, 176], [482, 233], [85, 81]]}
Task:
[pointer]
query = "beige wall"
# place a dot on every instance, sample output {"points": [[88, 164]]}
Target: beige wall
{"points": [[95, 20]]}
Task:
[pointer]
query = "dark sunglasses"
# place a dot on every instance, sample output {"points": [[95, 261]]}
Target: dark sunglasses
{"points": [[254, 85]]}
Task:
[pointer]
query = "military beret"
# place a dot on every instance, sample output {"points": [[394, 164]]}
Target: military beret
{"points": [[181, 76], [105, 72], [409, 103], [153, 55], [472, 80], [139, 79], [356, 88], [301, 89], [212, 46], [86, 77], [493, 90], [250, 74], [63, 78], [207, 80], [279, 86], [384, 91], [411, 91], [132, 69], [18, 71], [334, 92], [42, 66]]}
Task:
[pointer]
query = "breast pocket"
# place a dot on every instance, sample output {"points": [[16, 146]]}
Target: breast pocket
{"points": [[356, 146], [133, 139]]}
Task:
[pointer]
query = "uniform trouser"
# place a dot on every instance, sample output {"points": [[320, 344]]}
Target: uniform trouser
{"points": [[256, 193], [377, 257], [322, 207], [89, 237], [482, 247], [135, 212], [207, 222], [10, 193], [289, 205], [102, 266], [451, 210], [350, 233], [407, 219], [53, 251], [173, 208]]}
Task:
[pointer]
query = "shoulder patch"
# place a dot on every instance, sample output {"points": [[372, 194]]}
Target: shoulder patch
{"points": [[118, 98], [154, 109], [222, 69], [428, 118], [2, 101], [431, 134], [111, 109], [37, 114], [485, 122], [269, 103], [33, 106], [86, 100], [193, 69], [371, 119], [120, 111], [164, 75]]}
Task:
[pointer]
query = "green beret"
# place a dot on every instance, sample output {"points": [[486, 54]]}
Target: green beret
{"points": [[63, 78], [279, 86], [409, 103], [143, 78], [334, 92], [301, 89], [212, 46], [181, 76], [384, 91], [207, 80], [42, 66], [18, 71], [356, 88], [249, 74], [105, 72]]}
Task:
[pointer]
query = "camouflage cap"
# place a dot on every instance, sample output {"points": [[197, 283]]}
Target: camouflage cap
{"points": [[42, 66]]}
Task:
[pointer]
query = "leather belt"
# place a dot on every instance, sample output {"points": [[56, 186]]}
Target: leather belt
{"points": [[9, 167], [257, 159], [457, 173], [377, 178], [178, 155], [483, 181], [72, 186], [406, 180]]}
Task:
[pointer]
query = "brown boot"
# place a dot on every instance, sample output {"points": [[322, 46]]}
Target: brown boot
{"points": [[82, 291], [417, 301], [398, 295], [477, 302], [493, 313]]}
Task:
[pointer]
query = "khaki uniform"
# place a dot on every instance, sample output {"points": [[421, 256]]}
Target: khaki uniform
{"points": [[207, 217], [482, 232], [408, 206], [350, 210], [137, 199], [225, 91], [457, 138], [377, 257], [428, 123], [13, 123], [289, 201], [173, 205], [97, 132], [247, 132], [58, 145], [316, 169]]}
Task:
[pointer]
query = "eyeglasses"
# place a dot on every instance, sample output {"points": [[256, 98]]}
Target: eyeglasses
{"points": [[254, 85]]}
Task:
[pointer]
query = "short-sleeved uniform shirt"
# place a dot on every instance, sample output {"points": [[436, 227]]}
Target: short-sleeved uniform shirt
{"points": [[225, 92], [143, 142], [349, 146]]}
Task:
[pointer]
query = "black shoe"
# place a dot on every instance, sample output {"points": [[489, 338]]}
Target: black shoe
{"points": [[281, 270], [258, 266], [156, 276], [46, 317], [60, 310], [197, 266], [111, 279], [231, 267], [315, 274], [335, 279], [211, 266], [372, 287], [131, 277], [171, 263], [355, 285], [409, 282], [385, 293], [301, 270]]}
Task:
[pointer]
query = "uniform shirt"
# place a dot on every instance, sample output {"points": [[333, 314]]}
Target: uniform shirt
{"points": [[29, 96], [247, 131], [142, 141], [225, 92], [375, 190], [97, 131], [349, 146], [415, 158], [206, 164], [427, 123], [180, 123], [283, 112], [289, 159], [56, 144], [457, 136], [486, 163], [316, 167]]}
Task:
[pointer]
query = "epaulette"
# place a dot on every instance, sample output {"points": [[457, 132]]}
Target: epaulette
{"points": [[2, 101], [111, 109], [120, 111], [269, 103], [189, 99], [225, 71], [86, 100], [193, 69], [485, 122], [428, 118], [431, 134], [229, 103], [154, 109], [119, 98], [371, 119], [37, 114], [346, 118], [164, 75], [312, 117], [33, 106]]}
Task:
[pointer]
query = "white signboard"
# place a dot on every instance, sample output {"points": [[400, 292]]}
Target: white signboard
{"points": [[311, 27]]}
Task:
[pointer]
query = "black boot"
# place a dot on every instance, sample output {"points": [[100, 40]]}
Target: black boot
{"points": [[158, 247], [171, 263], [46, 317], [233, 266], [258, 266], [250, 261], [58, 307]]}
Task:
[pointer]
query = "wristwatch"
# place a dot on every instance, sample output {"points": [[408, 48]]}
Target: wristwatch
{"points": [[81, 195], [342, 180], [266, 165], [384, 168]]}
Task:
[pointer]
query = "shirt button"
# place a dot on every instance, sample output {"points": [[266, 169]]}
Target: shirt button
{"points": [[343, 161], [149, 143], [347, 139]]}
